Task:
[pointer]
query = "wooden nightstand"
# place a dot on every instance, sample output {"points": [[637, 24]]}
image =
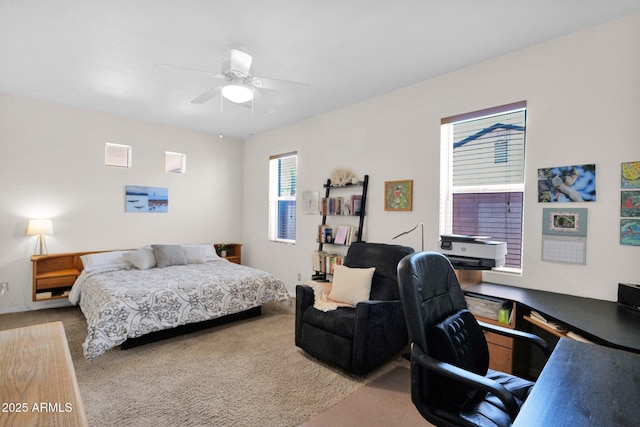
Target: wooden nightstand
{"points": [[234, 252], [54, 275]]}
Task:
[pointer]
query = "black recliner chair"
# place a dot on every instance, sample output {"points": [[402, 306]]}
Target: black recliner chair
{"points": [[451, 384], [358, 339]]}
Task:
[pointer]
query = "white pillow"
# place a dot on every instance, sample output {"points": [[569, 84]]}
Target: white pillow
{"points": [[142, 258], [103, 260], [209, 253], [351, 285], [194, 254]]}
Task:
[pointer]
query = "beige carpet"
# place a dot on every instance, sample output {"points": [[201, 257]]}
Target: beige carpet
{"points": [[247, 373]]}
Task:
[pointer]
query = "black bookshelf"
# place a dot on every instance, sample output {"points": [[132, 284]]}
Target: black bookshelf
{"points": [[362, 187]]}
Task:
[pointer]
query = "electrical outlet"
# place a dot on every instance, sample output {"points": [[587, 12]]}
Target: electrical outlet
{"points": [[4, 288], [299, 277]]}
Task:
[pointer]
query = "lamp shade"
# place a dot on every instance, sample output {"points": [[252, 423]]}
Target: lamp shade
{"points": [[237, 93], [39, 226]]}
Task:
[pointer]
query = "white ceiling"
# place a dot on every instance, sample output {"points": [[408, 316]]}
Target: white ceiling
{"points": [[104, 54]]}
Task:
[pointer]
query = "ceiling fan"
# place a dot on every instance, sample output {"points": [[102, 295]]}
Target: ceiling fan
{"points": [[239, 85]]}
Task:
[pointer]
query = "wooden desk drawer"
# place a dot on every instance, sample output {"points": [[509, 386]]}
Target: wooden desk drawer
{"points": [[500, 358], [499, 339], [55, 282]]}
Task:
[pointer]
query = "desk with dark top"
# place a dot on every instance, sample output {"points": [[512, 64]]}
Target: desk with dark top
{"points": [[584, 385], [603, 322]]}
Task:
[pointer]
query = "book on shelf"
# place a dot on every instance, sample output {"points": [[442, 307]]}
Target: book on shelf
{"points": [[325, 234], [342, 235], [556, 326], [340, 205], [324, 262], [356, 204], [337, 235], [353, 235]]}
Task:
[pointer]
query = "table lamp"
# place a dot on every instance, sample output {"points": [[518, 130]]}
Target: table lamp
{"points": [[40, 227]]}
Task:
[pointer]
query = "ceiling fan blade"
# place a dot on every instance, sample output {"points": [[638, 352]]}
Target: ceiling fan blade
{"points": [[208, 73], [276, 84], [207, 95], [259, 102], [240, 62]]}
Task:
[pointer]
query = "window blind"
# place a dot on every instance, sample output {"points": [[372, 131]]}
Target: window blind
{"points": [[489, 150], [498, 215], [282, 197]]}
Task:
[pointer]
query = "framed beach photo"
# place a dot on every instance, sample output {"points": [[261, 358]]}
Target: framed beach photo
{"points": [[140, 198], [398, 195]]}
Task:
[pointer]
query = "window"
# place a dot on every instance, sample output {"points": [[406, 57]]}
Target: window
{"points": [[282, 197], [175, 162], [117, 155], [482, 176]]}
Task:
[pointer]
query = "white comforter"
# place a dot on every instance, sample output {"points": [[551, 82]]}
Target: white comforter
{"points": [[128, 303]]}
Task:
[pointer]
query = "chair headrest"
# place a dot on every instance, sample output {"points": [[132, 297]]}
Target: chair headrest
{"points": [[383, 257], [430, 292]]}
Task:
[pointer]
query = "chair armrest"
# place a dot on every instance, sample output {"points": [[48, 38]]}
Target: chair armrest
{"points": [[466, 377], [304, 296], [389, 312], [514, 333], [304, 300], [380, 332]]}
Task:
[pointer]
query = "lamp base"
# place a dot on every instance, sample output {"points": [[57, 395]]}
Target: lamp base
{"points": [[41, 246]]}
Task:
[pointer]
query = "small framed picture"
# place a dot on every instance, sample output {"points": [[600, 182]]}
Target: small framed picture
{"points": [[630, 231], [565, 222], [398, 195], [310, 202], [630, 175]]}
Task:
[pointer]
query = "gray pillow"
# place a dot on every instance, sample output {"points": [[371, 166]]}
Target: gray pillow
{"points": [[167, 255]]}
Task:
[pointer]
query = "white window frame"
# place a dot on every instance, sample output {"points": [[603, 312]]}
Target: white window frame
{"points": [[275, 197], [175, 162], [117, 155], [447, 189]]}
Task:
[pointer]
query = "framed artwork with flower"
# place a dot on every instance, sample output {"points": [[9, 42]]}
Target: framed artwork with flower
{"points": [[398, 195]]}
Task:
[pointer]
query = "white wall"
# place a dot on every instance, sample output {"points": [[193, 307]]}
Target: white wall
{"points": [[52, 166], [583, 96]]}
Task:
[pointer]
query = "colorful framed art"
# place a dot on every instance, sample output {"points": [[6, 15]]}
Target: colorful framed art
{"points": [[398, 195]]}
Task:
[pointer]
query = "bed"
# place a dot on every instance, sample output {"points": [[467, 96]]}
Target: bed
{"points": [[129, 294]]}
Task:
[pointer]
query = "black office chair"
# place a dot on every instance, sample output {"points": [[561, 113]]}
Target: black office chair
{"points": [[451, 384]]}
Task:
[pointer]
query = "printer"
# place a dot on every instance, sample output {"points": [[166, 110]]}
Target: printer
{"points": [[473, 252]]}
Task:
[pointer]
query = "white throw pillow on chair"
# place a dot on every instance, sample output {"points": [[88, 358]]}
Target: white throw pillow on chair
{"points": [[351, 285]]}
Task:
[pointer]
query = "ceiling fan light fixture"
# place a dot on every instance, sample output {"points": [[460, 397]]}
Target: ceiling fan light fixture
{"points": [[237, 93]]}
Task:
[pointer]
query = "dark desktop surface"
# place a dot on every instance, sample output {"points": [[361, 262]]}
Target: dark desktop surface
{"points": [[584, 385], [605, 322]]}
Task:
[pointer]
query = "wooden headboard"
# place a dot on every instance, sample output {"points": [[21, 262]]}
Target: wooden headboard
{"points": [[54, 275]]}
